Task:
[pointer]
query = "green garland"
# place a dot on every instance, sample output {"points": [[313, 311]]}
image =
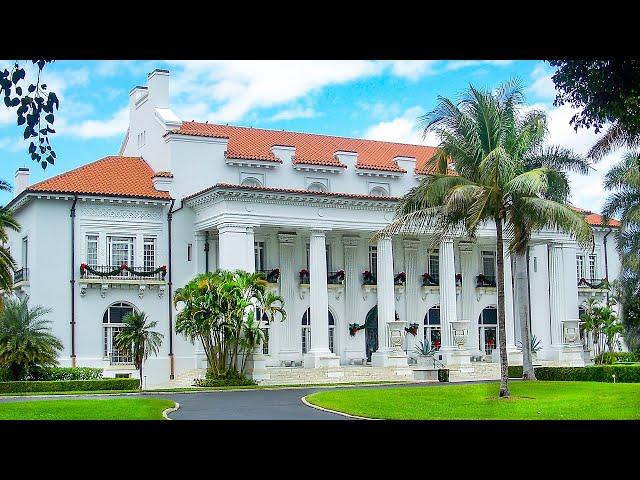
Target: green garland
{"points": [[86, 268], [354, 327]]}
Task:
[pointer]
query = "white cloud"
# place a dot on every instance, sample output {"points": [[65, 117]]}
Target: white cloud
{"points": [[454, 65], [238, 87], [297, 112], [402, 129], [413, 69], [380, 110], [116, 125], [542, 86]]}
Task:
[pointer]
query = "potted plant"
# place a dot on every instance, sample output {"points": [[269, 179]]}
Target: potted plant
{"points": [[425, 351]]}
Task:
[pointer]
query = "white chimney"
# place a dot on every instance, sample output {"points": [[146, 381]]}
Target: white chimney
{"points": [[22, 180], [158, 82]]}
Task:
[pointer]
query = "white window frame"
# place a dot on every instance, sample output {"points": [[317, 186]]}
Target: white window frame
{"points": [[433, 257], [485, 254], [91, 239], [593, 266], [482, 328], [429, 328], [580, 268], [109, 330], [118, 239], [149, 241], [259, 255], [373, 260], [25, 252]]}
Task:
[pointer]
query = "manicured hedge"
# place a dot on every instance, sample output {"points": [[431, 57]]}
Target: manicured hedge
{"points": [[66, 373], [609, 358], [515, 371], [70, 385], [222, 382], [596, 373], [443, 374]]}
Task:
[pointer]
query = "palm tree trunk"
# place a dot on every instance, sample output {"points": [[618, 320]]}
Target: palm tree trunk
{"points": [[522, 294], [141, 376], [502, 334]]}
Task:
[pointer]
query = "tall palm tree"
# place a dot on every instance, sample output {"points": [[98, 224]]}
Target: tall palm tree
{"points": [[26, 340], [7, 264], [486, 140], [137, 338]]}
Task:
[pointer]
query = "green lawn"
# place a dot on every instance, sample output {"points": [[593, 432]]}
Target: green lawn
{"points": [[528, 401], [111, 409]]}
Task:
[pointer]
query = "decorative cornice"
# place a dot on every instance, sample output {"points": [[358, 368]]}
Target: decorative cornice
{"points": [[465, 247]]}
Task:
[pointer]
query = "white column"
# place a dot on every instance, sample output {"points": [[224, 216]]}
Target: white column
{"points": [[447, 275], [290, 328], [385, 355], [412, 288], [508, 301], [556, 283], [468, 293], [356, 348], [236, 250], [319, 354]]}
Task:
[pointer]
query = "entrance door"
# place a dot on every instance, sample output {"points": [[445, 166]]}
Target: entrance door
{"points": [[488, 330], [371, 332]]}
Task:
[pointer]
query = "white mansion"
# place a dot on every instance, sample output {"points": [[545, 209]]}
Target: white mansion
{"points": [[182, 198]]}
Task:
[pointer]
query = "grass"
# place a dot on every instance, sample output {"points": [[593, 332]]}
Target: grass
{"points": [[111, 409], [529, 401]]}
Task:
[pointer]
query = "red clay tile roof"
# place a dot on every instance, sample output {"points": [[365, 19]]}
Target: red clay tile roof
{"points": [[290, 190], [113, 176], [314, 149], [594, 218]]}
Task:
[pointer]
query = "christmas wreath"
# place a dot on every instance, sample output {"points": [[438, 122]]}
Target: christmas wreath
{"points": [[124, 267], [412, 329], [273, 275], [428, 280], [368, 278], [604, 283], [354, 327], [304, 275]]}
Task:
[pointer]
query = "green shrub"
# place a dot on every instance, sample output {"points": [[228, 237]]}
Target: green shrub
{"points": [[515, 371], [610, 358], [69, 385], [230, 378], [443, 374], [66, 373], [597, 373], [5, 375]]}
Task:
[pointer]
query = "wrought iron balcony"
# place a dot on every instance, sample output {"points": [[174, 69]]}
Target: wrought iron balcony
{"points": [[483, 280], [122, 272], [271, 275], [595, 283], [21, 275]]}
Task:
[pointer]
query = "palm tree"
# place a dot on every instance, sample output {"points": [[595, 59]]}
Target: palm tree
{"points": [[7, 264], [137, 339], [487, 141], [26, 340]]}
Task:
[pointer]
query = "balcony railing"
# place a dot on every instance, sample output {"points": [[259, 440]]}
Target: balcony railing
{"points": [[122, 272], [596, 283], [271, 275], [21, 275], [483, 280]]}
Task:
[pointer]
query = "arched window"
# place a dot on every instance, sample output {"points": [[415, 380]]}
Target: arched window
{"points": [[378, 192], [432, 331], [317, 187], [251, 182], [306, 330], [488, 330], [112, 323]]}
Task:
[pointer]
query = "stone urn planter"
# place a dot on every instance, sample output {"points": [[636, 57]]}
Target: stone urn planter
{"points": [[571, 331], [425, 360], [460, 332], [396, 335]]}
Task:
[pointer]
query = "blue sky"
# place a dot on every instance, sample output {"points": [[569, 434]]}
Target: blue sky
{"points": [[369, 99]]}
